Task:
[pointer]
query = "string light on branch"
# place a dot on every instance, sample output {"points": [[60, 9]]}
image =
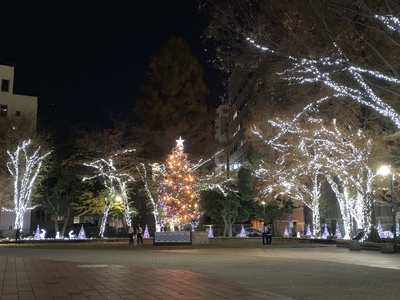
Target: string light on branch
{"points": [[25, 165]]}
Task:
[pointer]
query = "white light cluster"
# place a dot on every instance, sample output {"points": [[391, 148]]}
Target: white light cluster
{"points": [[116, 182], [391, 22], [319, 153], [325, 71], [24, 167]]}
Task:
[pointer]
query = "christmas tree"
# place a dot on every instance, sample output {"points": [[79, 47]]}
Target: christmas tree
{"points": [[338, 234], [286, 233], [210, 231], [308, 233], [326, 232], [178, 199], [81, 234], [37, 234], [146, 234], [243, 232]]}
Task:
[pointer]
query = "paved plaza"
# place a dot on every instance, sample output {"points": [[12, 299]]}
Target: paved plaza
{"points": [[263, 273]]}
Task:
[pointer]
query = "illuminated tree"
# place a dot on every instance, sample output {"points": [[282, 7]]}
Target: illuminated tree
{"points": [[173, 102], [24, 166], [116, 181], [344, 50], [60, 185], [178, 198], [110, 156], [152, 175], [310, 154]]}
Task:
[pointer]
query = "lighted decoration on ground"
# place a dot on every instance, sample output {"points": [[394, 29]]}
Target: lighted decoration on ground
{"points": [[338, 234], [71, 235], [178, 200], [25, 164], [210, 231], [326, 232], [81, 234], [37, 235], [308, 232], [286, 232], [384, 234], [42, 234], [242, 232], [379, 229], [146, 232]]}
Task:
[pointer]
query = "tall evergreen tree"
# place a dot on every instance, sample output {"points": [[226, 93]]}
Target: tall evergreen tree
{"points": [[178, 198], [173, 103]]}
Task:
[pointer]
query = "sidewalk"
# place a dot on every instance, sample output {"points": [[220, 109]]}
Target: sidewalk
{"points": [[265, 273]]}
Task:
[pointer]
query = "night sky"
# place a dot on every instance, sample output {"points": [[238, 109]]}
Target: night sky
{"points": [[84, 59]]}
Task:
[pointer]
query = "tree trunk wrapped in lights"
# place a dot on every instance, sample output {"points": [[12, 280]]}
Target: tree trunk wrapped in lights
{"points": [[25, 165], [116, 181]]}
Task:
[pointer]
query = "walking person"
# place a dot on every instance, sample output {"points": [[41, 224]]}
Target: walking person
{"points": [[130, 234], [139, 231], [269, 235], [265, 231], [17, 235]]}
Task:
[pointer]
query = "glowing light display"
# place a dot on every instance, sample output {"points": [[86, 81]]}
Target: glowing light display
{"points": [[309, 156], [178, 199], [25, 165], [116, 181]]}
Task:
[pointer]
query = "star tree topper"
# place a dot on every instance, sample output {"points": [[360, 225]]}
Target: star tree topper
{"points": [[179, 142]]}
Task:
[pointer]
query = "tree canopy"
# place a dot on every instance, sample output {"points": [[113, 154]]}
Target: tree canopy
{"points": [[173, 103]]}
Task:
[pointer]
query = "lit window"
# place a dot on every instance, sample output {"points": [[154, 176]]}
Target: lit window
{"points": [[5, 85], [3, 110]]}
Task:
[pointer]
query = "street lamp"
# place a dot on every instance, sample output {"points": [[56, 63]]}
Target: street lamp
{"points": [[117, 199], [385, 170], [263, 203]]}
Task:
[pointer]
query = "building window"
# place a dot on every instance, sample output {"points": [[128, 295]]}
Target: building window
{"points": [[18, 113], [40, 215], [5, 85], [3, 110]]}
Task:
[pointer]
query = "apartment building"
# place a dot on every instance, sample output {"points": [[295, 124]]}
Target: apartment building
{"points": [[15, 107], [20, 113], [243, 83]]}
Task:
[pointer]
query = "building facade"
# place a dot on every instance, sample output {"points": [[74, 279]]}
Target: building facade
{"points": [[17, 112]]}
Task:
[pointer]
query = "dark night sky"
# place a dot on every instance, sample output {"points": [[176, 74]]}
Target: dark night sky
{"points": [[82, 58]]}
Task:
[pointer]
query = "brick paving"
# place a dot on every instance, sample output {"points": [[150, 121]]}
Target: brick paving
{"points": [[264, 273]]}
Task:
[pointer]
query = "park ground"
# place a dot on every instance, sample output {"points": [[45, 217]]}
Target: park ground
{"points": [[223, 269]]}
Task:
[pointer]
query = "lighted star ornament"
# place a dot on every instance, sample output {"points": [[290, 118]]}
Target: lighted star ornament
{"points": [[179, 143]]}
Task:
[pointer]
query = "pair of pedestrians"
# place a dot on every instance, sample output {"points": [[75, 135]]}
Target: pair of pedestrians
{"points": [[266, 235], [135, 231]]}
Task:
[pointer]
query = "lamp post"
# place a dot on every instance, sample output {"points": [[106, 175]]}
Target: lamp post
{"points": [[385, 170], [263, 203], [117, 199]]}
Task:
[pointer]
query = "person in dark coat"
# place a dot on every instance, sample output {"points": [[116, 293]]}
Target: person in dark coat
{"points": [[17, 235], [139, 231]]}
